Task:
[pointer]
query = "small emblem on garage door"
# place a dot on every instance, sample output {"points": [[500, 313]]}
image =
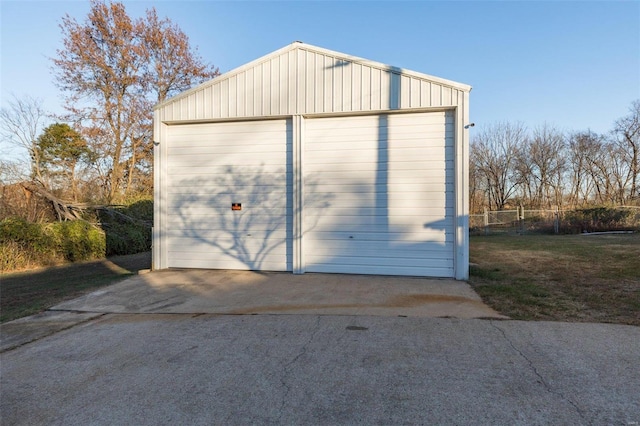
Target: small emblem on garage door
{"points": [[236, 206]]}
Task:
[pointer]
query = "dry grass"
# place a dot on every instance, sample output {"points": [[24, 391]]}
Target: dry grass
{"points": [[594, 278]]}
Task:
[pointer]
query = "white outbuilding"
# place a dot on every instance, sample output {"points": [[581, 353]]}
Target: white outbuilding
{"points": [[310, 160]]}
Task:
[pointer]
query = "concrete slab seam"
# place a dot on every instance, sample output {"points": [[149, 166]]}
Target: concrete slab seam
{"points": [[19, 345], [537, 373]]}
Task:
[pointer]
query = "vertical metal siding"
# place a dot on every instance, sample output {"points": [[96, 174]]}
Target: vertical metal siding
{"points": [[327, 84], [303, 81], [310, 78]]}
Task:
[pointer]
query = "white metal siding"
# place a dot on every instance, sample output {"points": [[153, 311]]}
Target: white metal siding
{"points": [[303, 79], [212, 166], [382, 191], [410, 218]]}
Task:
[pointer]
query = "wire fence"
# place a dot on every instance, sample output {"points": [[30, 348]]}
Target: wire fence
{"points": [[520, 220]]}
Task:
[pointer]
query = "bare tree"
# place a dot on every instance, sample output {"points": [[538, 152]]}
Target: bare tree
{"points": [[20, 125], [495, 150], [583, 148], [601, 170], [476, 187], [165, 42], [547, 164], [112, 69], [619, 177], [98, 69], [627, 133]]}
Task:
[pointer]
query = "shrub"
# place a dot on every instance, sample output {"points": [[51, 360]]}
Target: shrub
{"points": [[78, 240], [125, 230], [26, 245], [126, 238], [128, 228], [140, 210], [597, 219], [32, 235]]}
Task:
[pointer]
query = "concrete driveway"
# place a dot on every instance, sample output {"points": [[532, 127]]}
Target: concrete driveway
{"points": [[148, 351], [247, 292]]}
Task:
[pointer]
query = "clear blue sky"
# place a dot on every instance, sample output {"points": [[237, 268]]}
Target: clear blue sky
{"points": [[575, 65]]}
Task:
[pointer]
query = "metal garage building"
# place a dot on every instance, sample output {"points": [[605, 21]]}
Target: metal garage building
{"points": [[309, 160]]}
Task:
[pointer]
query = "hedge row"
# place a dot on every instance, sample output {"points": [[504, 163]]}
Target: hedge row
{"points": [[26, 245], [119, 230], [599, 219]]}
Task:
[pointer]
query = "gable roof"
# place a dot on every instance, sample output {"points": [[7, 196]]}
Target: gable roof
{"points": [[303, 79]]}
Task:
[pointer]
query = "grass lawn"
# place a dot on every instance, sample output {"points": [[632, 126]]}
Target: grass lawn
{"points": [[580, 278], [29, 292], [594, 278]]}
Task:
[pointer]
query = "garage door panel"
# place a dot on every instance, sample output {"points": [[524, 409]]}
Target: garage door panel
{"points": [[412, 225], [184, 177], [331, 268], [425, 247], [349, 218], [429, 153], [262, 188], [247, 137], [378, 188], [392, 194], [362, 138], [202, 249], [250, 148], [372, 249], [319, 236], [220, 231], [223, 213], [365, 142], [203, 181], [223, 161], [265, 129], [337, 212], [378, 261], [318, 166], [185, 171], [401, 176], [415, 202], [378, 158], [223, 262], [369, 199]]}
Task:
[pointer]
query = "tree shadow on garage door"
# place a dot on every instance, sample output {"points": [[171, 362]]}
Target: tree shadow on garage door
{"points": [[236, 217]]}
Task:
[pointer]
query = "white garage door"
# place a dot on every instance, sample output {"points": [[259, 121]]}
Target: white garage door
{"points": [[379, 194], [213, 168]]}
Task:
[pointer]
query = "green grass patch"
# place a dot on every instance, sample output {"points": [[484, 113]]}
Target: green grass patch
{"points": [[559, 277]]}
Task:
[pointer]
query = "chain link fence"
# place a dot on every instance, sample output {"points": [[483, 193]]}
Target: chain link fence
{"points": [[520, 220]]}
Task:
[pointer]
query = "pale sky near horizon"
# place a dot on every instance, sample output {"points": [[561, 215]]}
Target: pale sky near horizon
{"points": [[574, 65]]}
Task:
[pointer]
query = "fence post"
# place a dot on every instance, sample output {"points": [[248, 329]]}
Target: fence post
{"points": [[556, 219], [521, 218], [486, 221]]}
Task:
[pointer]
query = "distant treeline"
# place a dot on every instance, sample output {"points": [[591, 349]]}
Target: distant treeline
{"points": [[542, 168]]}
